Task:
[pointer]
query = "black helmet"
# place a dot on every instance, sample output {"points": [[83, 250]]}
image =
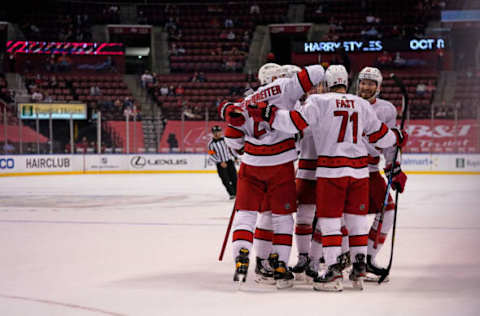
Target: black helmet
{"points": [[216, 128]]}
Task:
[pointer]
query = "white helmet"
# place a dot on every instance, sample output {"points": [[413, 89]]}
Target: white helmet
{"points": [[267, 72], [336, 75], [291, 70], [371, 73]]}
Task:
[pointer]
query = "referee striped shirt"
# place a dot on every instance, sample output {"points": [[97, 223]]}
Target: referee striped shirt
{"points": [[218, 151]]}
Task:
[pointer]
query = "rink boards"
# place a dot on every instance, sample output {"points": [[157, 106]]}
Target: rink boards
{"points": [[18, 165]]}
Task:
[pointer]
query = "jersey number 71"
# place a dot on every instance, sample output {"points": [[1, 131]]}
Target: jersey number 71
{"points": [[345, 119]]}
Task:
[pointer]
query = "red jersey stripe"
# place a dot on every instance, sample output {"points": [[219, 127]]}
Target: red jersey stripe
{"points": [[332, 241], [317, 236], [373, 160], [303, 229], [231, 132], [270, 150], [375, 136], [263, 234], [282, 239], [358, 241], [304, 80], [243, 235], [340, 162], [298, 121], [307, 164]]}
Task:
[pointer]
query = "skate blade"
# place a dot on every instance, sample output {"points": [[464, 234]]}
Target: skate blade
{"points": [[284, 284], [299, 277], [358, 284], [372, 278], [334, 286], [263, 280]]}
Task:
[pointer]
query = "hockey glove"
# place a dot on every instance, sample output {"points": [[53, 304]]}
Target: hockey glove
{"points": [[262, 111], [402, 136], [399, 178], [231, 113]]}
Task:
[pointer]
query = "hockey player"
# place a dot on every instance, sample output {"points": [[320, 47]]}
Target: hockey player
{"points": [[338, 121], [266, 171], [368, 87]]}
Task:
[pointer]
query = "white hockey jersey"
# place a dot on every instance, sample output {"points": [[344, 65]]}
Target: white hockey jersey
{"points": [[262, 145], [337, 123], [307, 161], [386, 113]]}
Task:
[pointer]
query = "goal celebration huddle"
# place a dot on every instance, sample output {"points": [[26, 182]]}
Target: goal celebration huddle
{"points": [[322, 201]]}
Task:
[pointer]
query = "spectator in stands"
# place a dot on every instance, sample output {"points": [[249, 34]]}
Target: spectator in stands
{"points": [[171, 91], [141, 18], [399, 61], [95, 90], [48, 98], [230, 64], [179, 90], [231, 36], [223, 35], [170, 26], [146, 78], [421, 89], [194, 77], [172, 141], [246, 36], [228, 22], [8, 148], [188, 113], [83, 145], [384, 60], [177, 49], [37, 96], [118, 104], [64, 62], [371, 33], [254, 9], [176, 35], [164, 89], [271, 57], [431, 86], [51, 64], [201, 77]]}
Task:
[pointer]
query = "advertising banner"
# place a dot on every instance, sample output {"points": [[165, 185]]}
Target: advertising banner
{"points": [[106, 163], [180, 162], [40, 164], [443, 136], [62, 111]]}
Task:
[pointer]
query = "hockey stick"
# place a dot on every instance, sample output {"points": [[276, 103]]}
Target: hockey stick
{"points": [[227, 233], [399, 83]]}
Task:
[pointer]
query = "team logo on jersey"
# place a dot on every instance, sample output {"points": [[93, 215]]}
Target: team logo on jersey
{"points": [[362, 207], [287, 206]]}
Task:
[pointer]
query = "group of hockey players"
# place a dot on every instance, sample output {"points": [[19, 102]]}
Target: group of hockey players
{"points": [[337, 138]]}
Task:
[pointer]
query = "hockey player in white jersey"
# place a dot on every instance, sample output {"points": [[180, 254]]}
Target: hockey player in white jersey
{"points": [[266, 171], [338, 121], [368, 87]]}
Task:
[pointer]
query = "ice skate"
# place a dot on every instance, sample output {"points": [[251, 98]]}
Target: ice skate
{"points": [[374, 272], [241, 266], [311, 271], [331, 280], [299, 269], [357, 275], [345, 260], [282, 275], [263, 272]]}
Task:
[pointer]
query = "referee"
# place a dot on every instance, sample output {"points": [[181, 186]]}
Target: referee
{"points": [[220, 154]]}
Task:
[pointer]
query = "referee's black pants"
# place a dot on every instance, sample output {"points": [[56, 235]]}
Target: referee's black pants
{"points": [[229, 177]]}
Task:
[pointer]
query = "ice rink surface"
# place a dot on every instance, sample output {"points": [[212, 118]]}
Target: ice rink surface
{"points": [[148, 245]]}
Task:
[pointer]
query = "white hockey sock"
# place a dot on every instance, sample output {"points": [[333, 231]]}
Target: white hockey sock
{"points": [[303, 227], [262, 242], [316, 248], [282, 236], [242, 231], [357, 226], [386, 226], [331, 238]]}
